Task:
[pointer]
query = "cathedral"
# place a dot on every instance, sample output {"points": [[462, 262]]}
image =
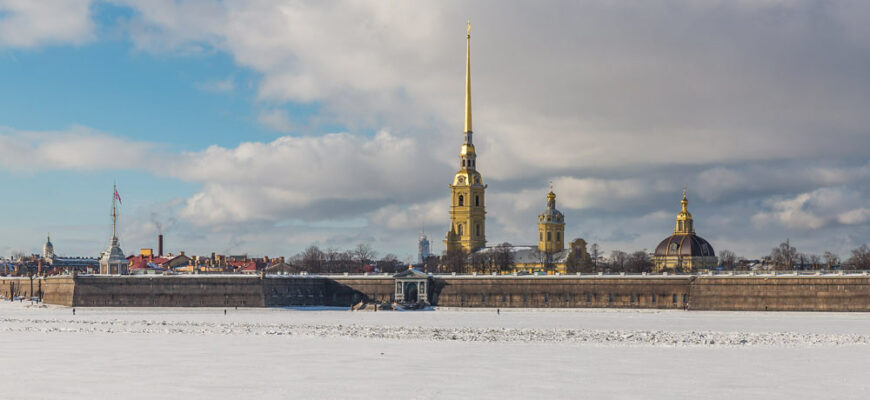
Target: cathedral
{"points": [[684, 251], [467, 232]]}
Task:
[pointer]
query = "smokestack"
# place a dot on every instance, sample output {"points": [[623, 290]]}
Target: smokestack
{"points": [[160, 245]]}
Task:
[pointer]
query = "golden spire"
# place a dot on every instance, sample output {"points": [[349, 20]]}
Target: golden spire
{"points": [[468, 77], [551, 197]]}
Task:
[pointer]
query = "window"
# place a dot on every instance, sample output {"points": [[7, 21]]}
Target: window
{"points": [[459, 229], [477, 201], [549, 238], [588, 297], [541, 234], [463, 163], [680, 224], [477, 229], [558, 236], [654, 298], [610, 297], [461, 200], [675, 299]]}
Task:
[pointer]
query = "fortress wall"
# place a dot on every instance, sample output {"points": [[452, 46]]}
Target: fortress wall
{"points": [[296, 291], [731, 293], [53, 290], [169, 291], [345, 291], [781, 293], [561, 292]]}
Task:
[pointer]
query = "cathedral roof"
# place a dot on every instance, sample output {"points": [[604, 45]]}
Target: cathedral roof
{"points": [[687, 245]]}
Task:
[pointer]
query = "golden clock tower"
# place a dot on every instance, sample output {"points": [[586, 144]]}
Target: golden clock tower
{"points": [[467, 211]]}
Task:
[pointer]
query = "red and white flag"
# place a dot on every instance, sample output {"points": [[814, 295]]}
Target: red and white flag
{"points": [[117, 196]]}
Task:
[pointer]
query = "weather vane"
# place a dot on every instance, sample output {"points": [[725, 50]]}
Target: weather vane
{"points": [[684, 191]]}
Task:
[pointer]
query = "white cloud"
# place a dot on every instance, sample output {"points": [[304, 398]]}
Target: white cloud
{"points": [[28, 23], [816, 209], [78, 148], [276, 120], [219, 86]]}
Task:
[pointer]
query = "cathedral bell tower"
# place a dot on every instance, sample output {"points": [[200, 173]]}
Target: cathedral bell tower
{"points": [[551, 227], [467, 211]]}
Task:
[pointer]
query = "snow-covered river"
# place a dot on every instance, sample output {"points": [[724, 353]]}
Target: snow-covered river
{"points": [[328, 353]]}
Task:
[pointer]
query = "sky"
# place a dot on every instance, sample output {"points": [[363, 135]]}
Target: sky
{"points": [[263, 127]]}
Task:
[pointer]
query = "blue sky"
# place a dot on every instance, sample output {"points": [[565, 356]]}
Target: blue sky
{"points": [[265, 127]]}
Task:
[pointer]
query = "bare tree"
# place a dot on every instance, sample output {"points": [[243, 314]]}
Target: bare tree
{"points": [[312, 259], [545, 259], [455, 261], [639, 261], [860, 258], [503, 257], [617, 260], [815, 261], [595, 255], [479, 261], [831, 260], [727, 259], [388, 263], [364, 254], [783, 256]]}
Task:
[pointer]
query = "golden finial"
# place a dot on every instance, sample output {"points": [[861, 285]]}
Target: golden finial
{"points": [[468, 27], [684, 192], [551, 186]]}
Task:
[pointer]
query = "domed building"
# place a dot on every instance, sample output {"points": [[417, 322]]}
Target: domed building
{"points": [[684, 251], [48, 250]]}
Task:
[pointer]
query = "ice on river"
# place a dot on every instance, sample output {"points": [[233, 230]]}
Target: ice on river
{"points": [[188, 353]]}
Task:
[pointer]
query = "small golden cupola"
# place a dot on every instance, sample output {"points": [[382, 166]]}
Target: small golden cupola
{"points": [[551, 226], [684, 224]]}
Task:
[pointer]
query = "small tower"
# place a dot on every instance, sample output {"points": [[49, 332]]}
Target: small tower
{"points": [[113, 260], [684, 225], [48, 250], [422, 248], [551, 226]]}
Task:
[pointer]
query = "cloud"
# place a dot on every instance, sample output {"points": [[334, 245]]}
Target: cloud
{"points": [[26, 24], [78, 148], [817, 209], [276, 120], [220, 86]]}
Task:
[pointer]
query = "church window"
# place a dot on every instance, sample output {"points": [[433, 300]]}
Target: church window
{"points": [[558, 236], [549, 236], [461, 200], [541, 234], [459, 229], [463, 162], [477, 229], [477, 180], [680, 224], [477, 201], [674, 247]]}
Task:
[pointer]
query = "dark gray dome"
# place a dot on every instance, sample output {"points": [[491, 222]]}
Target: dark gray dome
{"points": [[689, 245]]}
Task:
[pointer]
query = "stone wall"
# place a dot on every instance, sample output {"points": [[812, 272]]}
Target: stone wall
{"points": [[169, 291], [561, 292], [781, 293], [774, 293]]}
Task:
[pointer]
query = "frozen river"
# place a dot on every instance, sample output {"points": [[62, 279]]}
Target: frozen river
{"points": [[144, 353]]}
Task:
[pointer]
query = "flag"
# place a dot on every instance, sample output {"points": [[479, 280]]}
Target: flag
{"points": [[117, 196]]}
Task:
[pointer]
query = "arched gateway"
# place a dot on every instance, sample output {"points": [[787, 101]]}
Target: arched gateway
{"points": [[412, 286]]}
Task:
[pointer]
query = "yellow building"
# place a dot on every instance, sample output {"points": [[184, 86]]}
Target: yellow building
{"points": [[467, 191], [684, 251], [550, 255], [551, 227]]}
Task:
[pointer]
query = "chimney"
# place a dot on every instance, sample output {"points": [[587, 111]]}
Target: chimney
{"points": [[160, 245]]}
